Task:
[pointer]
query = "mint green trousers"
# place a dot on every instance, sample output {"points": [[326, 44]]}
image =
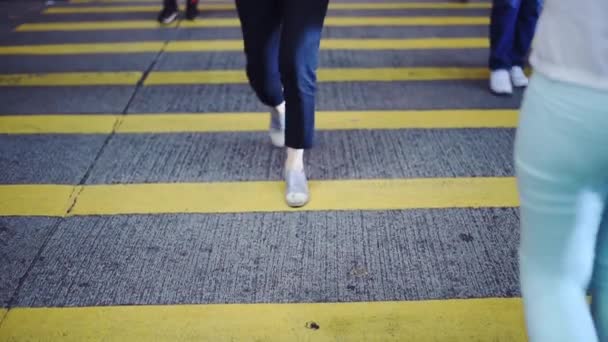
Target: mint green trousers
{"points": [[561, 160]]}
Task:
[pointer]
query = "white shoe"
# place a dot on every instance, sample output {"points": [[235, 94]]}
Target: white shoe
{"points": [[500, 82], [296, 188], [277, 125], [518, 77]]}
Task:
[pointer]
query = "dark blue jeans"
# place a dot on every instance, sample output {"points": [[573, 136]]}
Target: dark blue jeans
{"points": [[173, 3], [282, 40], [512, 28]]}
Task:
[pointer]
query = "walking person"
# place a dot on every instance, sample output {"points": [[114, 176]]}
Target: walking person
{"points": [[561, 159], [282, 39], [170, 11], [512, 27]]}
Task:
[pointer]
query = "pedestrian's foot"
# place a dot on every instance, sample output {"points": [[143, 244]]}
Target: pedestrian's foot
{"points": [[192, 9], [277, 125], [296, 190], [500, 82], [518, 77], [167, 15]]}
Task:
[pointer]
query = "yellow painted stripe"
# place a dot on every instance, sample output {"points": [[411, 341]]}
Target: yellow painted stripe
{"points": [[70, 79], [324, 75], [231, 22], [403, 44], [406, 5], [92, 26], [400, 74], [248, 122], [262, 196], [67, 49], [36, 200], [57, 124], [237, 45], [363, 21], [3, 313], [491, 319], [228, 6], [237, 76], [340, 44], [129, 9]]}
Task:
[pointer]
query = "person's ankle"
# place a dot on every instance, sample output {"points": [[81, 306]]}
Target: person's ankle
{"points": [[294, 160], [277, 125]]}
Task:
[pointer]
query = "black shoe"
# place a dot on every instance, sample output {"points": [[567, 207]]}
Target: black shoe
{"points": [[167, 15], [191, 9]]}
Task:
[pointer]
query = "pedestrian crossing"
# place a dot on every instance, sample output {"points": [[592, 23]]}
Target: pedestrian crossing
{"points": [[152, 236]]}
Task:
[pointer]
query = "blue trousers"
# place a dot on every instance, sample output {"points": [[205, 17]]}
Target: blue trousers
{"points": [[282, 39], [561, 159], [512, 27], [173, 3]]}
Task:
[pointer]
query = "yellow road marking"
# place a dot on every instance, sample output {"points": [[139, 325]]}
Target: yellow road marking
{"points": [[70, 79], [249, 122], [324, 75], [237, 45], [229, 7], [129, 9], [36, 200], [403, 44], [362, 21], [57, 124], [237, 76], [406, 5], [341, 44], [93, 26], [258, 196], [491, 319], [95, 48], [232, 22], [3, 313]]}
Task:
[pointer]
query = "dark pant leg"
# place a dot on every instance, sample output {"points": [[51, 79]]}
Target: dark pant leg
{"points": [[170, 3], [300, 40], [529, 11], [502, 32], [261, 25]]}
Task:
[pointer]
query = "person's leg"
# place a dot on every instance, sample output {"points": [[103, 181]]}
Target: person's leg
{"points": [[561, 158], [191, 9], [503, 21], [261, 25], [169, 12], [529, 12], [170, 3], [502, 29], [300, 40], [599, 289]]}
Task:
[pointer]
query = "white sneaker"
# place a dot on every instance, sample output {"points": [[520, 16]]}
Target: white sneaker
{"points": [[518, 77], [500, 82], [296, 188]]}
